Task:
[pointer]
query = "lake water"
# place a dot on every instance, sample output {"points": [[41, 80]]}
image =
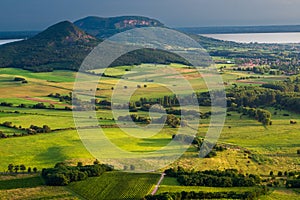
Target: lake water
{"points": [[258, 37], [9, 41]]}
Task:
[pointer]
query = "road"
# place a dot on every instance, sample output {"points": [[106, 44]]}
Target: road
{"points": [[158, 184]]}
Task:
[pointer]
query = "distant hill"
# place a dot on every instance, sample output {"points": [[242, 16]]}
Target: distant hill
{"points": [[106, 27], [64, 45], [240, 29], [61, 46]]}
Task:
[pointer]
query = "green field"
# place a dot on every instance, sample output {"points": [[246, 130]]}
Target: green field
{"points": [[43, 150], [273, 148], [31, 187], [116, 185]]}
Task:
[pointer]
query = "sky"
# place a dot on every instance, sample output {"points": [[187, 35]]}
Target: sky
{"points": [[39, 14]]}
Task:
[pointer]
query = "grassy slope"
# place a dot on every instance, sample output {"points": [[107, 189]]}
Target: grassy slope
{"points": [[42, 150], [274, 147]]}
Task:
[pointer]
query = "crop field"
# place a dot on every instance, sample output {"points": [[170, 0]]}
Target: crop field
{"points": [[116, 185], [251, 147]]}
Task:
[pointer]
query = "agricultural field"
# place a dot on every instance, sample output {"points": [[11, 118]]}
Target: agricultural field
{"points": [[251, 147], [31, 187], [112, 186]]}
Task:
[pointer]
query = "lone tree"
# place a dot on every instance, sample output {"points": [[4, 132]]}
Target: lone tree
{"points": [[29, 170], [10, 168], [96, 162], [22, 168], [132, 167], [17, 168], [35, 170]]}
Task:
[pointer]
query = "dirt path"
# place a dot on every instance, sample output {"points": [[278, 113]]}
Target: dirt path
{"points": [[159, 182]]}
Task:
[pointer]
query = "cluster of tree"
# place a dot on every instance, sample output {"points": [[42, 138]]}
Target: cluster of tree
{"points": [[199, 142], [36, 129], [16, 168], [36, 106], [135, 118], [253, 194], [213, 178], [32, 130], [62, 98], [257, 69], [249, 96], [260, 115], [203, 99], [290, 85], [248, 77], [170, 120], [41, 106], [20, 79], [102, 104], [293, 183], [6, 104], [63, 174], [166, 102]]}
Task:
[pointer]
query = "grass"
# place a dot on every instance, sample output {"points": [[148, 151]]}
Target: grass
{"points": [[116, 185], [41, 192], [21, 183], [281, 193], [273, 148], [56, 76], [24, 186], [43, 150]]}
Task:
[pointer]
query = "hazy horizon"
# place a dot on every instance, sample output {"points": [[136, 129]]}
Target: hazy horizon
{"points": [[38, 15]]}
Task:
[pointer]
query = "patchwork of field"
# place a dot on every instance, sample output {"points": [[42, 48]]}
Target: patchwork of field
{"points": [[251, 147]]}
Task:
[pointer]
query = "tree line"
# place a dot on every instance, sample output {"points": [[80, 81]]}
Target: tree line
{"points": [[63, 174], [16, 168], [32, 130], [255, 97], [213, 178], [35, 106]]}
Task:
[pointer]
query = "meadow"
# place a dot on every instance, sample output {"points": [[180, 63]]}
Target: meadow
{"points": [[251, 147]]}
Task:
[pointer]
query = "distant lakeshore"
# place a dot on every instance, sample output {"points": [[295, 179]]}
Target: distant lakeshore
{"points": [[279, 38], [9, 41]]}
